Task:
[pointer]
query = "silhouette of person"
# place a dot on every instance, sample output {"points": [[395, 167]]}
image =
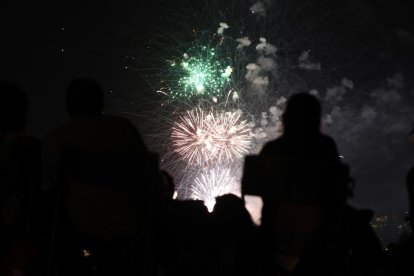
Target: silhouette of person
{"points": [[13, 108], [19, 153], [410, 187], [20, 177], [233, 237], [88, 129], [401, 254], [302, 137], [107, 211], [301, 140]]}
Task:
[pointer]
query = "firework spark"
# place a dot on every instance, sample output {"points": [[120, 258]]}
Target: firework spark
{"points": [[206, 137], [200, 73], [214, 183]]}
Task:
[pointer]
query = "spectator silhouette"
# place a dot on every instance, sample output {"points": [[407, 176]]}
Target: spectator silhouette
{"points": [[233, 236], [310, 231], [401, 254], [410, 187], [19, 176], [19, 155], [13, 108], [88, 129], [301, 141], [186, 240], [301, 133], [91, 133]]}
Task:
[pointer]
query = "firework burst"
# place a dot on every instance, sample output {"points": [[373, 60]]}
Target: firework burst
{"points": [[201, 72], [206, 137], [214, 183]]}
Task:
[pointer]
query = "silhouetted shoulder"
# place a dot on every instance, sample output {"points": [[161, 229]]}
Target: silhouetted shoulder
{"points": [[95, 133], [410, 177], [320, 147], [273, 147], [330, 145], [130, 131]]}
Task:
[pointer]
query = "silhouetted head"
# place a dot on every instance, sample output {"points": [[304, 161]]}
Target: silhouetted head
{"points": [[302, 115], [13, 108], [84, 97], [230, 211]]}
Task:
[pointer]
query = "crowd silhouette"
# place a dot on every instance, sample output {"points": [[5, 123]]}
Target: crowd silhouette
{"points": [[90, 199]]}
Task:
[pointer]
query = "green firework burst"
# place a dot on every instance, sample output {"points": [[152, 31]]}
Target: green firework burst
{"points": [[200, 73]]}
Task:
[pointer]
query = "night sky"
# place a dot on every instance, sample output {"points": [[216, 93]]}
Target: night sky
{"points": [[46, 44]]}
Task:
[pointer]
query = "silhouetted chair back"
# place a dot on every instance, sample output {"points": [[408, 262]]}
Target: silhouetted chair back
{"points": [[299, 197]]}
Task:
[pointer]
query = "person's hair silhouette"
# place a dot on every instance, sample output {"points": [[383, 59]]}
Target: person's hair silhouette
{"points": [[13, 108], [302, 115], [84, 97]]}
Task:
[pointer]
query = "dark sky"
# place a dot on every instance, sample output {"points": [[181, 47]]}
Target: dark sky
{"points": [[45, 44]]}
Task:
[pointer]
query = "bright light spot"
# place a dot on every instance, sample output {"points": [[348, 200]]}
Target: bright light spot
{"points": [[227, 72], [86, 253], [210, 203], [254, 205], [212, 184], [200, 88], [235, 96]]}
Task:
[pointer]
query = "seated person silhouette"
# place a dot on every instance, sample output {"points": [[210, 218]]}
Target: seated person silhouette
{"points": [[19, 180], [19, 158], [410, 188], [290, 226], [103, 209], [88, 129]]}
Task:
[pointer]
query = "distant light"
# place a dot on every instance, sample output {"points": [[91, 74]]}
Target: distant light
{"points": [[210, 203], [86, 253]]}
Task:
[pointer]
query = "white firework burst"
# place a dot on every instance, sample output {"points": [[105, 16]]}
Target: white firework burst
{"points": [[214, 183], [211, 136]]}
